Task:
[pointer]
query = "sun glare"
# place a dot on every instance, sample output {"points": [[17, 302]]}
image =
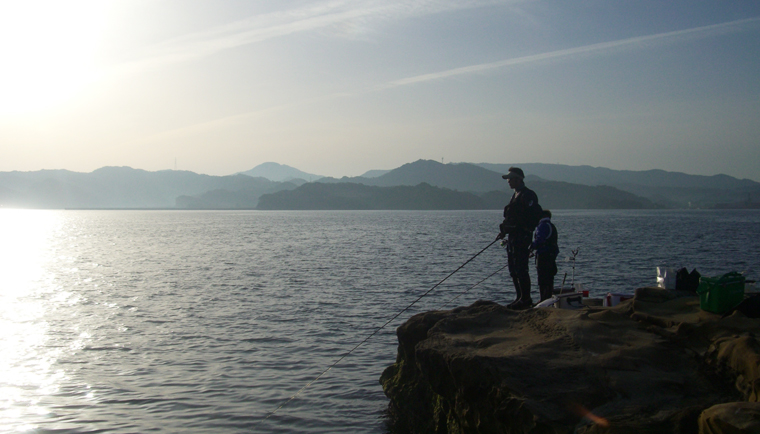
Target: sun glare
{"points": [[47, 49], [26, 366]]}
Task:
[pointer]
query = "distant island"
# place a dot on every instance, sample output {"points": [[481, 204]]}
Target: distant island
{"points": [[420, 185], [738, 205], [554, 195], [746, 204]]}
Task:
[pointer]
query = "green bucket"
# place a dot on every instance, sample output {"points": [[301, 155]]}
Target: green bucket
{"points": [[721, 294]]}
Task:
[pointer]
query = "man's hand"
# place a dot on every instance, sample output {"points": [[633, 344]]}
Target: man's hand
{"points": [[500, 236]]}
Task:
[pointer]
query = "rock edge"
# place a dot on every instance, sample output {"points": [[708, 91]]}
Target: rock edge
{"points": [[656, 363]]}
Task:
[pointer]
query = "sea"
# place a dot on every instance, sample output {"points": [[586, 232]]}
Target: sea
{"points": [[272, 321]]}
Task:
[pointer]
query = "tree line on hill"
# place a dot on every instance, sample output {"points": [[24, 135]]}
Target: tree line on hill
{"points": [[345, 196]]}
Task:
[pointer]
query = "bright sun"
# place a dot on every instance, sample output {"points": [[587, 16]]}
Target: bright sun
{"points": [[47, 49]]}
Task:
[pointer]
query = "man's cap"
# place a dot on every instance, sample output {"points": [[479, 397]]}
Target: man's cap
{"points": [[514, 172]]}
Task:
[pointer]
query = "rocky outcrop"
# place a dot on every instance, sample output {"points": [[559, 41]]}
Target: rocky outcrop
{"points": [[654, 364]]}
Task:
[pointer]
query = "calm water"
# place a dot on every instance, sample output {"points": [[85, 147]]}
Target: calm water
{"points": [[162, 321]]}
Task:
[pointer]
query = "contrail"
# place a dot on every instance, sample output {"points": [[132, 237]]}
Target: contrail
{"points": [[696, 32], [693, 33], [267, 26]]}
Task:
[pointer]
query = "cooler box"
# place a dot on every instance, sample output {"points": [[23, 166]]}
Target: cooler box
{"points": [[614, 298], [572, 300], [721, 294]]}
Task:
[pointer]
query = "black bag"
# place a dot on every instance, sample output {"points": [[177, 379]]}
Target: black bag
{"points": [[749, 307], [535, 212], [686, 281]]}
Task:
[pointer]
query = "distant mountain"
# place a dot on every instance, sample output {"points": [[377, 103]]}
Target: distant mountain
{"points": [[454, 176], [670, 189], [374, 173], [345, 195], [662, 188], [121, 187], [558, 187], [590, 175], [246, 198], [280, 173], [350, 196], [564, 195]]}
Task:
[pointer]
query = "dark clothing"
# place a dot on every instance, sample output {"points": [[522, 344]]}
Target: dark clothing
{"points": [[546, 248], [545, 238], [519, 222], [546, 267], [518, 253], [519, 214]]}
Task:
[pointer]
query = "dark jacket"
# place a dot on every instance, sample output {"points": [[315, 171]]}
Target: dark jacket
{"points": [[522, 213], [545, 238]]}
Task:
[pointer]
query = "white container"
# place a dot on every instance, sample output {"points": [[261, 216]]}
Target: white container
{"points": [[568, 300], [573, 300], [666, 278], [613, 299], [549, 302]]}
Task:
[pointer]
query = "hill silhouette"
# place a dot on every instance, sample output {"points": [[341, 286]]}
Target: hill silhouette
{"points": [[450, 186], [667, 189], [663, 189], [459, 176], [350, 196], [590, 175], [280, 173], [565, 195], [119, 187], [345, 195]]}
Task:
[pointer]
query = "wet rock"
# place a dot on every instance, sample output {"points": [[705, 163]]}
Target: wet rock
{"points": [[650, 364]]}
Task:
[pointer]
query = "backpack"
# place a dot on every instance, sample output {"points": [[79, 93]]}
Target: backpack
{"points": [[534, 215]]}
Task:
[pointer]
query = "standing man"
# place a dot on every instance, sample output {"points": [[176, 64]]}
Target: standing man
{"points": [[521, 216], [546, 249]]}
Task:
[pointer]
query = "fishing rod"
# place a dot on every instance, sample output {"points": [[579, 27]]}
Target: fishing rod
{"points": [[377, 330], [572, 259]]}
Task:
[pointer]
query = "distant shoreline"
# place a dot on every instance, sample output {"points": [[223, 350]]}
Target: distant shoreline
{"points": [[377, 210], [738, 205]]}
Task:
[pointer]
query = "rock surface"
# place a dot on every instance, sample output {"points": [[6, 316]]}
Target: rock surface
{"points": [[653, 364]]}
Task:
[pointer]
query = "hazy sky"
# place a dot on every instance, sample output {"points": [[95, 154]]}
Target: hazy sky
{"points": [[341, 87]]}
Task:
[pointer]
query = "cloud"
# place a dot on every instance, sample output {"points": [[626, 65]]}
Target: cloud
{"points": [[687, 34], [263, 27]]}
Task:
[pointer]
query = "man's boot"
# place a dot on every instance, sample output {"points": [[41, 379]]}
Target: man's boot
{"points": [[517, 293], [525, 300], [546, 291]]}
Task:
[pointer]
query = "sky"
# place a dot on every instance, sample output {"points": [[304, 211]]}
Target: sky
{"points": [[339, 87]]}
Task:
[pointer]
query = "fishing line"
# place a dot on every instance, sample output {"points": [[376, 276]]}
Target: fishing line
{"points": [[378, 329], [473, 286]]}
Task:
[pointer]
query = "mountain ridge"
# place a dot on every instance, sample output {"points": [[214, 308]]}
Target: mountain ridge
{"points": [[119, 187], [354, 196], [688, 191], [590, 175], [279, 173]]}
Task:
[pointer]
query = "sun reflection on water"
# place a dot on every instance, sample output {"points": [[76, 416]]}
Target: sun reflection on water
{"points": [[27, 363]]}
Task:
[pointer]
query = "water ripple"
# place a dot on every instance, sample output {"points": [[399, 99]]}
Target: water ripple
{"points": [[206, 322]]}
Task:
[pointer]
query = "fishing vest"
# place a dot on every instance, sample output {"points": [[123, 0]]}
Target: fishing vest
{"points": [[523, 211]]}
